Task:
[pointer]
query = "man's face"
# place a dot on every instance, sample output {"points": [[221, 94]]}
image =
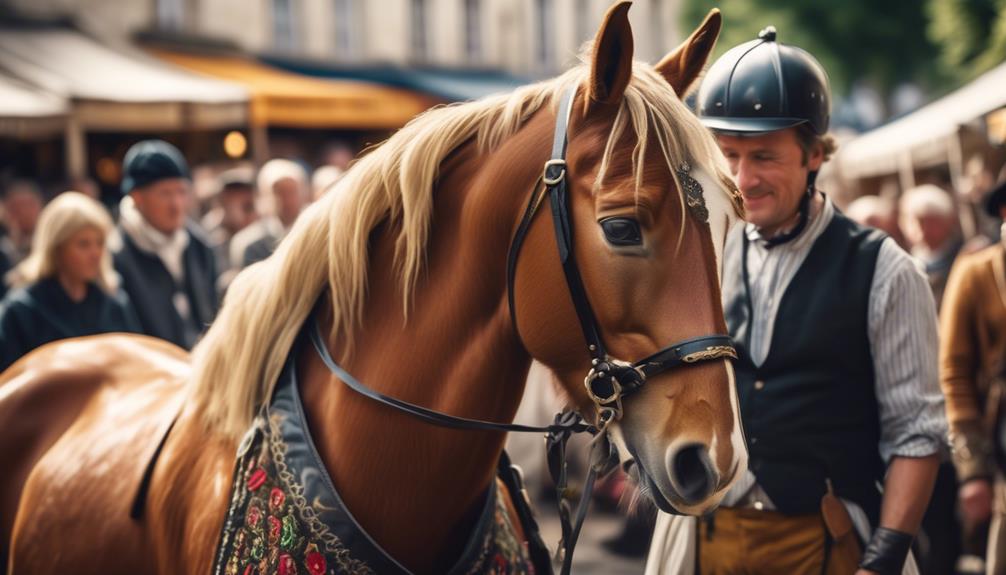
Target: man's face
{"points": [[163, 204], [238, 204], [936, 229], [290, 199], [771, 172], [23, 208]]}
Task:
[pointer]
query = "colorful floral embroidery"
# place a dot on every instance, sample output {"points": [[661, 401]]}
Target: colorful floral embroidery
{"points": [[287, 566], [502, 552], [257, 479], [267, 525], [275, 525], [276, 499], [271, 529], [315, 563]]}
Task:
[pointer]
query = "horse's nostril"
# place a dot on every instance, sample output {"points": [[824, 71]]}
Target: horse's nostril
{"points": [[693, 473]]}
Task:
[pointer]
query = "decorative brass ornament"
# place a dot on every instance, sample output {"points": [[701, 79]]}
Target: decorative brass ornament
{"points": [[712, 352], [693, 193]]}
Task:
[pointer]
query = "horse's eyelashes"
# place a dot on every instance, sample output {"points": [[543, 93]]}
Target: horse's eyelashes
{"points": [[622, 231]]}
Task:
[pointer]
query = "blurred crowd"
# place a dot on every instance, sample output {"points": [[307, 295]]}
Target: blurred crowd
{"points": [[157, 259]]}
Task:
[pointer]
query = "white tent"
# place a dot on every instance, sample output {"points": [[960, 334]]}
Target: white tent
{"points": [[116, 90], [927, 136], [26, 112]]}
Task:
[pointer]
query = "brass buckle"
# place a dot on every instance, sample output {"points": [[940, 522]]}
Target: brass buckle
{"points": [[562, 174], [616, 388]]}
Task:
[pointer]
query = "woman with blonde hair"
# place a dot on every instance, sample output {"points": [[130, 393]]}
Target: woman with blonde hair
{"points": [[66, 287]]}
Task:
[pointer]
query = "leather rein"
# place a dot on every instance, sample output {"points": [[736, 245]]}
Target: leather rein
{"points": [[607, 382]]}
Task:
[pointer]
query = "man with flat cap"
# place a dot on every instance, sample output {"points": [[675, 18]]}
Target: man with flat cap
{"points": [[166, 264], [835, 331], [972, 358]]}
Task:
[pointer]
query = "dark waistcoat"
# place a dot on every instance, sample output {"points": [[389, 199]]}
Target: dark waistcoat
{"points": [[810, 410]]}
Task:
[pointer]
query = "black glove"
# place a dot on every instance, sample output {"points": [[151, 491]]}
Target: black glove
{"points": [[887, 551]]}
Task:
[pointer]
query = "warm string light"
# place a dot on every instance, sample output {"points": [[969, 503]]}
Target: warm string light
{"points": [[235, 144]]}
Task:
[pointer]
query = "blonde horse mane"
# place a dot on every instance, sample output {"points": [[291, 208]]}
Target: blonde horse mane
{"points": [[238, 361]]}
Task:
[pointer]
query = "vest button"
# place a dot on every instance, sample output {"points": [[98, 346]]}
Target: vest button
{"points": [[754, 440], [759, 385]]}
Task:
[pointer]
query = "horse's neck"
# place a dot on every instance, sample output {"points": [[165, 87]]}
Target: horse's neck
{"points": [[414, 487]]}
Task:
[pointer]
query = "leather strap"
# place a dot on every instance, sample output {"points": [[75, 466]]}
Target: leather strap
{"points": [[887, 551], [556, 183], [513, 479], [573, 425]]}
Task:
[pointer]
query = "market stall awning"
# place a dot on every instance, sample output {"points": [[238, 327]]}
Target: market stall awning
{"points": [[281, 98], [118, 88], [26, 112], [451, 85], [922, 137]]}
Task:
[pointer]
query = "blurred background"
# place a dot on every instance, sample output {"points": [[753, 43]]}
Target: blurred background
{"points": [[317, 80]]}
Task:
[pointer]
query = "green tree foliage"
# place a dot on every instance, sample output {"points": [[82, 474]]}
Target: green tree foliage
{"points": [[883, 43], [971, 34]]}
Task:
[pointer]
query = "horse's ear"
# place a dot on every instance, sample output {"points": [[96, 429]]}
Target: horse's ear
{"points": [[611, 67], [682, 66]]}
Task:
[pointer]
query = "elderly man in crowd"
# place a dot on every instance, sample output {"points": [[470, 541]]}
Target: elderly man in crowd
{"points": [[283, 192], [929, 220], [234, 211], [878, 213], [166, 263], [22, 204]]}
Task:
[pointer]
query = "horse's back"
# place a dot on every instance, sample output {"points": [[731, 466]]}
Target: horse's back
{"points": [[81, 419]]}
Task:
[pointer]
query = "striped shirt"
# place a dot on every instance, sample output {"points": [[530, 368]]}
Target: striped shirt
{"points": [[901, 328]]}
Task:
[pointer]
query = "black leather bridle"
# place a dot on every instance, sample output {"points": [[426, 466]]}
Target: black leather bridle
{"points": [[607, 382], [609, 379]]}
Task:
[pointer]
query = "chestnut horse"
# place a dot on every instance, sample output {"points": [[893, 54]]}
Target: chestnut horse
{"points": [[408, 254]]}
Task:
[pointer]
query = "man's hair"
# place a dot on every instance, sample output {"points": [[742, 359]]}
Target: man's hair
{"points": [[807, 139]]}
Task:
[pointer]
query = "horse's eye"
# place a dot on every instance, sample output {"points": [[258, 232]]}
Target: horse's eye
{"points": [[622, 231]]}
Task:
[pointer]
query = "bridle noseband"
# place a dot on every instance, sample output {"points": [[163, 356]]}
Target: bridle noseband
{"points": [[608, 381]]}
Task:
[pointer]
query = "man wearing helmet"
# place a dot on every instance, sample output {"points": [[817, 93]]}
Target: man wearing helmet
{"points": [[835, 328]]}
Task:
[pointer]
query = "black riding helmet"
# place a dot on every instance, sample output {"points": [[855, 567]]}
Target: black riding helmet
{"points": [[763, 86]]}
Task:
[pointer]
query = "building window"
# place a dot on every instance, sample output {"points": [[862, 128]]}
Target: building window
{"points": [[171, 14], [546, 34], [345, 28], [420, 47], [284, 38], [473, 30]]}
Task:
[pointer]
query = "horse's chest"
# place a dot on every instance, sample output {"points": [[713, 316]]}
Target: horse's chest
{"points": [[286, 517]]}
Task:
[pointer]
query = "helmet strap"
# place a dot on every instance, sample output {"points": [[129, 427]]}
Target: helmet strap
{"points": [[801, 224]]}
